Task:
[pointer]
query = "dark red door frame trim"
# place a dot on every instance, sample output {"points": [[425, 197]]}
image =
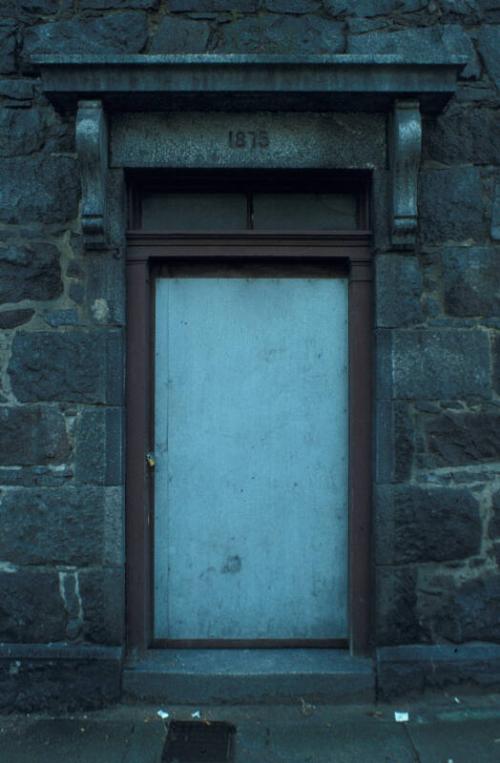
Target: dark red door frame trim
{"points": [[148, 249]]}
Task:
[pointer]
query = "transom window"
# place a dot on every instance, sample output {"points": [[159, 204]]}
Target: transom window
{"points": [[263, 202]]}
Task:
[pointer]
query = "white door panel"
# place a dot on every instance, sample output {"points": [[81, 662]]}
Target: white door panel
{"points": [[251, 448]]}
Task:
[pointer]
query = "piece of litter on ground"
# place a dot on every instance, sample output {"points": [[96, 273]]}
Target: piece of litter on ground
{"points": [[450, 760], [456, 700], [163, 715], [196, 715], [400, 717], [306, 708]]}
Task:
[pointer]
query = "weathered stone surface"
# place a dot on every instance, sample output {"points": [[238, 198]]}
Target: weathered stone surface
{"points": [[39, 7], [439, 364], [395, 441], [495, 213], [10, 319], [31, 608], [116, 33], [7, 47], [32, 434], [458, 439], [62, 317], [105, 290], [495, 552], [474, 91], [285, 35], [54, 678], [99, 449], [198, 140], [403, 442], [17, 89], [212, 6], [396, 618], [489, 45], [465, 8], [177, 35], [74, 366], [114, 525], [60, 132], [102, 593], [471, 281], [494, 523], [463, 134], [62, 525], [399, 275], [384, 376], [418, 43], [373, 7], [496, 364], [45, 189], [409, 670], [451, 206], [360, 26], [21, 131], [430, 524], [461, 612], [35, 476], [29, 271], [490, 10], [291, 6], [69, 585], [98, 5], [77, 293]]}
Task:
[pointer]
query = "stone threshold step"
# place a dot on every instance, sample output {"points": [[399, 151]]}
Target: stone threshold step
{"points": [[285, 676]]}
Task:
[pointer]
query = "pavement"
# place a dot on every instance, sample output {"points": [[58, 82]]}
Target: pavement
{"points": [[448, 729]]}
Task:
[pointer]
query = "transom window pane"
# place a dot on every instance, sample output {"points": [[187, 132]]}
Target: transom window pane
{"points": [[194, 211], [304, 211], [202, 211]]}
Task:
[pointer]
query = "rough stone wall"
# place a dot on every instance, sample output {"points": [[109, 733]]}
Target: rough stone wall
{"points": [[437, 496], [61, 380]]}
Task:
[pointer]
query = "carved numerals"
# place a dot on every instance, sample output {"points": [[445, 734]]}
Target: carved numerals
{"points": [[92, 147], [406, 153]]}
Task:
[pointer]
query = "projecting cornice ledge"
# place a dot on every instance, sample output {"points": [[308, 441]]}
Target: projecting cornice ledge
{"points": [[97, 85], [242, 82]]}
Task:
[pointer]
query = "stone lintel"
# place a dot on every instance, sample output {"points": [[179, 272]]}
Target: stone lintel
{"points": [[196, 139]]}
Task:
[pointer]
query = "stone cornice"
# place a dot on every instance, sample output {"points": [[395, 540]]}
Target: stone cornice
{"points": [[312, 83]]}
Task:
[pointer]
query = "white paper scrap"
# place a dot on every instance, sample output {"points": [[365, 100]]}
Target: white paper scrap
{"points": [[400, 717], [163, 715]]}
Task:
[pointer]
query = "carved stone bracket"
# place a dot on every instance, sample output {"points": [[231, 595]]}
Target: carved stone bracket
{"points": [[92, 147], [406, 154]]}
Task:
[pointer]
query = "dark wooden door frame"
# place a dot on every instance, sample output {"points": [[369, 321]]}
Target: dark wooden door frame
{"points": [[145, 250]]}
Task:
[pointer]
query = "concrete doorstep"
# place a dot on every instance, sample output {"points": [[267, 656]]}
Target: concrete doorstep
{"points": [[449, 730]]}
